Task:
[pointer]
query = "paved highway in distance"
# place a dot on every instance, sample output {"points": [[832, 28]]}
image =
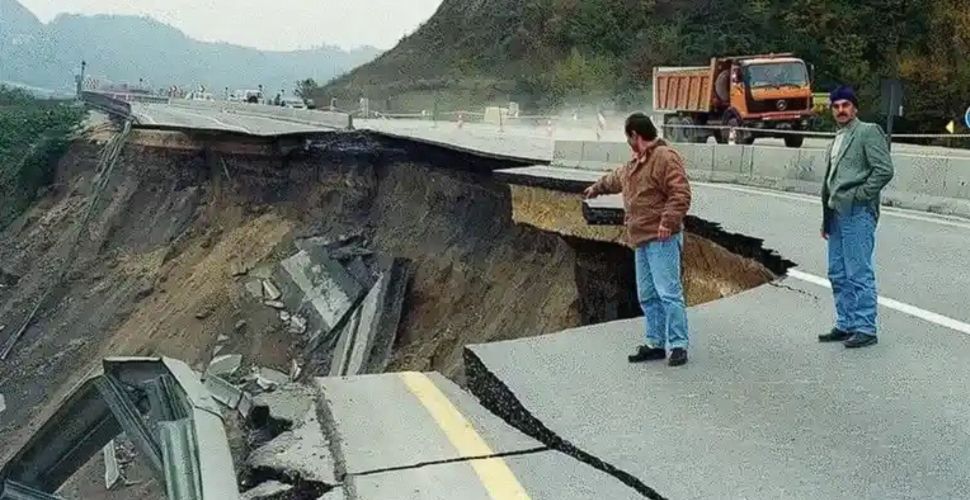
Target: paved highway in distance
{"points": [[163, 115]]}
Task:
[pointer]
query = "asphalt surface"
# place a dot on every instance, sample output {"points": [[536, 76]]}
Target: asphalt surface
{"points": [[163, 115], [762, 410], [398, 441]]}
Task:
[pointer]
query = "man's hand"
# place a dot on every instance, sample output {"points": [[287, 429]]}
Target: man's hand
{"points": [[664, 232], [590, 193]]}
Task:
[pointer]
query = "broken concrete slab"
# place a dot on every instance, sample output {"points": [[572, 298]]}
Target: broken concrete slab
{"points": [[222, 391], [289, 402], [246, 404], [373, 325], [275, 304], [318, 288], [345, 345], [255, 288], [384, 330], [112, 471], [303, 451], [270, 291], [268, 489], [359, 270], [227, 364], [268, 378]]}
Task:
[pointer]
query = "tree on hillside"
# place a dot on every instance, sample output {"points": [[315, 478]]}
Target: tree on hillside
{"points": [[306, 88]]}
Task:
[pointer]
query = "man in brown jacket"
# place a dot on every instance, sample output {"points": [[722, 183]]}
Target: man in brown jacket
{"points": [[656, 197]]}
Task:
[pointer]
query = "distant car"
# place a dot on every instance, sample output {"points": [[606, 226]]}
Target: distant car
{"points": [[200, 96], [293, 102]]}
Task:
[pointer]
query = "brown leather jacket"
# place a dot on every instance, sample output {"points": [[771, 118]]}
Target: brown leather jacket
{"points": [[655, 192]]}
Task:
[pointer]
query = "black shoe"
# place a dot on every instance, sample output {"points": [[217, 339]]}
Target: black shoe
{"points": [[861, 340], [678, 357], [835, 335], [647, 353]]}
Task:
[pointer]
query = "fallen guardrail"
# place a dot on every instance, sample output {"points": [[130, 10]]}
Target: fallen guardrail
{"points": [[163, 408]]}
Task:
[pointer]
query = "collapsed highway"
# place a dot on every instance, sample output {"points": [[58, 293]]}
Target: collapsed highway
{"points": [[526, 308]]}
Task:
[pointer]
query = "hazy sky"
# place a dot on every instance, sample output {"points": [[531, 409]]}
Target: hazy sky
{"points": [[267, 24]]}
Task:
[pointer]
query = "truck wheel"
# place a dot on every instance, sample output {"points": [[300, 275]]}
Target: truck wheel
{"points": [[673, 132], [693, 135], [794, 141], [740, 136]]}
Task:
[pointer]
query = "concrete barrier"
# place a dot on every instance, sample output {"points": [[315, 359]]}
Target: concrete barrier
{"points": [[328, 119], [936, 184]]}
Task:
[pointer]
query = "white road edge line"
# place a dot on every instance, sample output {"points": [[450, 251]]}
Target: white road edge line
{"points": [[943, 220], [923, 314]]}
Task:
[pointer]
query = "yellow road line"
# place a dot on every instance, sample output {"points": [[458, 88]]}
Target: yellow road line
{"points": [[494, 474]]}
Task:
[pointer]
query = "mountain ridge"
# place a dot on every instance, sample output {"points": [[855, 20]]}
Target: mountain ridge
{"points": [[128, 48]]}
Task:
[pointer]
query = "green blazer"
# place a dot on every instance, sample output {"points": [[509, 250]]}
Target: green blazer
{"points": [[863, 167]]}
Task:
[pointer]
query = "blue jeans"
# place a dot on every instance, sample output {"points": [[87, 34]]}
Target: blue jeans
{"points": [[661, 293], [852, 241]]}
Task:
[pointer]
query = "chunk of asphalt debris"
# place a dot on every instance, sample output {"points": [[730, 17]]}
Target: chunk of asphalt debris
{"points": [[203, 314], [222, 391], [216, 350], [270, 291], [275, 304], [240, 326], [112, 471], [246, 404], [298, 324], [303, 451], [227, 364], [289, 403], [269, 489], [284, 316], [3, 404], [268, 378], [222, 338], [295, 370], [255, 289]]}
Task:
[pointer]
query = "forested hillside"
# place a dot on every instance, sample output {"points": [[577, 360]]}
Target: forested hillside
{"points": [[549, 53]]}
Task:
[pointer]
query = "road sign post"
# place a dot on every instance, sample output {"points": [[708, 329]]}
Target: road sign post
{"points": [[892, 104]]}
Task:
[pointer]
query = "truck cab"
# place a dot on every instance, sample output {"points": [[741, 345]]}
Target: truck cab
{"points": [[764, 95]]}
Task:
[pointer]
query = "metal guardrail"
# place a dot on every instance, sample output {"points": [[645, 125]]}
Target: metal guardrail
{"points": [[163, 408]]}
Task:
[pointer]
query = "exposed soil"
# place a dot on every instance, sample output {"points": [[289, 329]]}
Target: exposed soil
{"points": [[161, 269]]}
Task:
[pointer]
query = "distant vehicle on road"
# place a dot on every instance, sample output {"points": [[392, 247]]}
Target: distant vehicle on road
{"points": [[766, 92], [199, 96], [293, 102], [250, 96]]}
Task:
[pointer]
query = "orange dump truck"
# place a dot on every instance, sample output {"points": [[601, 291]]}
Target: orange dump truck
{"points": [[770, 93]]}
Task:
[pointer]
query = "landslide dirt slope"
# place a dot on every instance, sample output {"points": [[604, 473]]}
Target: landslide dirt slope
{"points": [[160, 269]]}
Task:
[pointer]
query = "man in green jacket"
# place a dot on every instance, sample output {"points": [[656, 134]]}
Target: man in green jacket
{"points": [[859, 167]]}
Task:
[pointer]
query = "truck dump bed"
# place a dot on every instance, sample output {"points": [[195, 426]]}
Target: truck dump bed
{"points": [[683, 88]]}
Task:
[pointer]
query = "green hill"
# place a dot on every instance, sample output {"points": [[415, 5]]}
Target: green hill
{"points": [[550, 53]]}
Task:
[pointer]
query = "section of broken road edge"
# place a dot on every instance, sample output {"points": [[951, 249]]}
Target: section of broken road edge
{"points": [[500, 400]]}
